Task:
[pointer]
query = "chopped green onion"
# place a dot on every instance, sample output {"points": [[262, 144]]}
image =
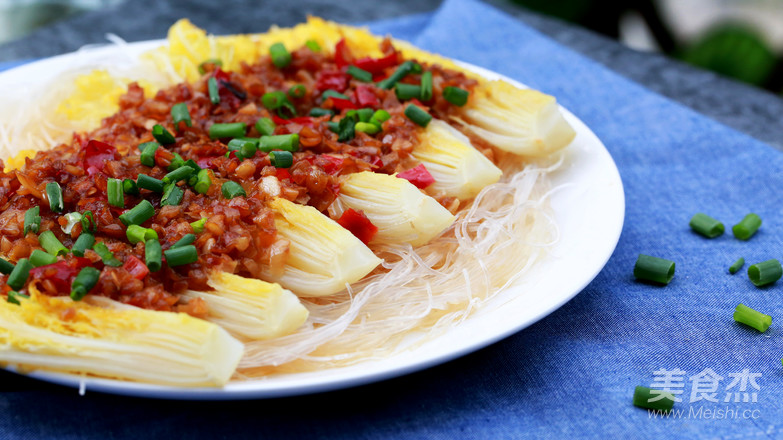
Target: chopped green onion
{"points": [[138, 214], [184, 241], [654, 269], [40, 258], [176, 163], [192, 164], [286, 142], [281, 159], [32, 220], [144, 145], [55, 196], [297, 92], [313, 45], [736, 266], [403, 70], [13, 297], [148, 154], [198, 225], [179, 113], [6, 266], [405, 92], [233, 130], [146, 182], [115, 193], [153, 255], [747, 227], [766, 272], [426, 86], [649, 398], [72, 218], [106, 255], [277, 101], [317, 112], [163, 136], [84, 242], [364, 114], [203, 182], [265, 127], [346, 129], [745, 315], [214, 93], [379, 117], [84, 282], [88, 222], [248, 150], [334, 126], [177, 256], [51, 244], [417, 115], [456, 96], [138, 234], [281, 58], [232, 189], [215, 61], [172, 195], [367, 127], [360, 74], [129, 187], [416, 68], [181, 173], [333, 94], [18, 277]]}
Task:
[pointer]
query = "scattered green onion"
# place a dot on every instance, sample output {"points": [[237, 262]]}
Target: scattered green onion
{"points": [[146, 182], [214, 93], [231, 189], [332, 94], [417, 115], [18, 277], [416, 68], [233, 130], [172, 195], [364, 114], [184, 241], [181, 173], [215, 61], [129, 187], [313, 45], [138, 234], [55, 196], [265, 127], [426, 86], [198, 225], [13, 297], [379, 117], [115, 193], [367, 127], [281, 159], [84, 282], [6, 266], [297, 92], [84, 242], [177, 256], [40, 258], [346, 129], [745, 315], [163, 136], [278, 101], [176, 163], [403, 70], [72, 219], [360, 74], [286, 142], [649, 398], [106, 255], [51, 244], [32, 220], [144, 145], [736, 266], [179, 113], [203, 182], [153, 255], [456, 96], [148, 154], [405, 92], [654, 269], [281, 58], [88, 222], [193, 165], [766, 272], [138, 214], [747, 227], [317, 112]]}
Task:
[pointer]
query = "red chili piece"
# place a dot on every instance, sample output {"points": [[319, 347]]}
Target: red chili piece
{"points": [[365, 97], [330, 164], [61, 274], [343, 104], [358, 224], [136, 267], [419, 176], [342, 54], [301, 120], [96, 153], [376, 65]]}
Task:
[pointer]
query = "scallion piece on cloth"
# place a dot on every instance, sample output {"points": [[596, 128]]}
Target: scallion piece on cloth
{"points": [[55, 195], [766, 272], [281, 58], [405, 92], [281, 159], [654, 269], [146, 182], [148, 154], [177, 256], [231, 189], [285, 142], [138, 214], [179, 113], [6, 266], [84, 282], [736, 266], [214, 93], [185, 240], [18, 277], [115, 193], [649, 398], [139, 234], [198, 225], [106, 255], [265, 126], [84, 242], [51, 244], [747, 227], [163, 136], [706, 225], [745, 315], [129, 187], [172, 195], [32, 220], [40, 258], [417, 115], [360, 74], [153, 255], [232, 130], [426, 86]]}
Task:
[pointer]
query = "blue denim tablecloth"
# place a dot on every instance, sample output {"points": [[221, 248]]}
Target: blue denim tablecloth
{"points": [[573, 373]]}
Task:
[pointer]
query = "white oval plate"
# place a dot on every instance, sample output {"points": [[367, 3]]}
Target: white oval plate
{"points": [[589, 210]]}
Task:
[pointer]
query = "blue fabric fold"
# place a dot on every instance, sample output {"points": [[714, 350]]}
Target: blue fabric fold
{"points": [[574, 372]]}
